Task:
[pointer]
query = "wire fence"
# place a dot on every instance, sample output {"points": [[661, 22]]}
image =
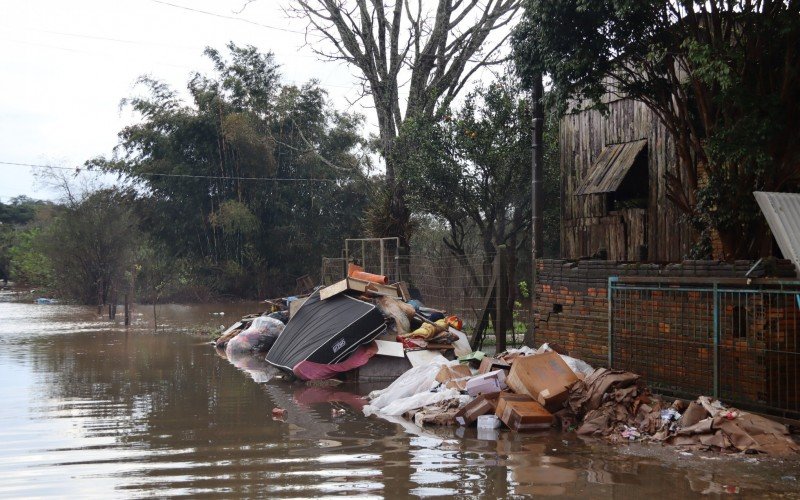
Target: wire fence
{"points": [[736, 343], [456, 285]]}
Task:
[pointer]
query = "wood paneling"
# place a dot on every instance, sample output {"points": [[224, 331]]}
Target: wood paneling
{"points": [[586, 224]]}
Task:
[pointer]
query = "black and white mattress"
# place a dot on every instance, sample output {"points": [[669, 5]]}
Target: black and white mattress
{"points": [[326, 331]]}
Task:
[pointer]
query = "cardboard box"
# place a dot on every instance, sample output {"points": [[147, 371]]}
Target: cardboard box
{"points": [[544, 377], [491, 364], [482, 405], [487, 383], [448, 373], [454, 377], [504, 397], [521, 416]]}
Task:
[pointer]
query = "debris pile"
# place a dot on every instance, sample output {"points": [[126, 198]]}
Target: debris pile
{"points": [[341, 327], [619, 406], [527, 390]]}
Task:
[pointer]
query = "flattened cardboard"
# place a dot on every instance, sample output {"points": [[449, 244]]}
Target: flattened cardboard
{"points": [[487, 383], [295, 305], [357, 286], [425, 357], [544, 377]]}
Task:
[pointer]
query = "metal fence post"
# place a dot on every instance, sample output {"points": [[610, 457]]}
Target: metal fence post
{"points": [[716, 341], [611, 281]]}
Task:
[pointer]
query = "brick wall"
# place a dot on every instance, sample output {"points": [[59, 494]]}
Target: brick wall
{"points": [[579, 289], [667, 335]]}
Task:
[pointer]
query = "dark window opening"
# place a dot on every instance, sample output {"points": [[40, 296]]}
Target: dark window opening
{"points": [[634, 191], [739, 322]]}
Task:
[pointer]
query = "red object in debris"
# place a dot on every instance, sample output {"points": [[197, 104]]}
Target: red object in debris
{"points": [[407, 343], [279, 413], [455, 322]]}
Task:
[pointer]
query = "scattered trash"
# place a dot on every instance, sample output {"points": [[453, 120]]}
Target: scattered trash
{"points": [[670, 415], [483, 404], [631, 433], [521, 413], [487, 383], [545, 377], [488, 422], [342, 327], [258, 337]]}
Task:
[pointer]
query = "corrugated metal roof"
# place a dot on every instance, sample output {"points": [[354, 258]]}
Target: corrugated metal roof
{"points": [[782, 211], [611, 167]]}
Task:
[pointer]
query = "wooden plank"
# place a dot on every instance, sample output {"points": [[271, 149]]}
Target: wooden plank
{"points": [[357, 285], [295, 305]]}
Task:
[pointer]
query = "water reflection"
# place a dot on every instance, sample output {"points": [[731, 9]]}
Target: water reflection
{"points": [[92, 409]]}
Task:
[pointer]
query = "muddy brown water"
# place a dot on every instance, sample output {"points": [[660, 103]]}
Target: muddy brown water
{"points": [[89, 408]]}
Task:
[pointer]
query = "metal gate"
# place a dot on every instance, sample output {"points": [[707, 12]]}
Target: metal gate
{"points": [[735, 339]]}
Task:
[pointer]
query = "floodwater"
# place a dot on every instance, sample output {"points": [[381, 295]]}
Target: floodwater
{"points": [[92, 409]]}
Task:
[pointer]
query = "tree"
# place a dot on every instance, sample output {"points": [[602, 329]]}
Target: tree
{"points": [[471, 170], [20, 224], [249, 181], [437, 50], [721, 75], [90, 244]]}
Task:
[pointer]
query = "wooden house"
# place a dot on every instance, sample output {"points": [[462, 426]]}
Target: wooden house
{"points": [[613, 189]]}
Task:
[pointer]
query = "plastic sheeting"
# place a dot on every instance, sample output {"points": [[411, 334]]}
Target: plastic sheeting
{"points": [[258, 337], [414, 381], [414, 402]]}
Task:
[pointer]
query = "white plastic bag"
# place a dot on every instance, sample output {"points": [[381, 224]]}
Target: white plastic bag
{"points": [[258, 337], [578, 366]]}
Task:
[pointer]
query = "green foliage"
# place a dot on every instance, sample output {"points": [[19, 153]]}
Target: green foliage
{"points": [[27, 264], [20, 259], [90, 244], [241, 226], [721, 75], [471, 169], [472, 166]]}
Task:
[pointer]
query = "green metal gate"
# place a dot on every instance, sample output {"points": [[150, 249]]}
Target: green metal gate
{"points": [[735, 339]]}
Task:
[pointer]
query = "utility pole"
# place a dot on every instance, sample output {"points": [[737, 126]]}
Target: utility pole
{"points": [[537, 200]]}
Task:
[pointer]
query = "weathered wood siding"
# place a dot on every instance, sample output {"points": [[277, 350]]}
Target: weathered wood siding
{"points": [[586, 227]]}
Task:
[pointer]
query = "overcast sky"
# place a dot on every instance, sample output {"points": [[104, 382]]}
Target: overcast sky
{"points": [[67, 65]]}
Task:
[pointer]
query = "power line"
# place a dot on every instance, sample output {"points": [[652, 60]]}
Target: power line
{"points": [[160, 63], [233, 18], [109, 39], [187, 176]]}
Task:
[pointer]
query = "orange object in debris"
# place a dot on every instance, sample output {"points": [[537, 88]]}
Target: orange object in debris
{"points": [[278, 413], [357, 272], [455, 322]]}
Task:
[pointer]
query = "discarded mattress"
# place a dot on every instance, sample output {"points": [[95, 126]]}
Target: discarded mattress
{"points": [[326, 332]]}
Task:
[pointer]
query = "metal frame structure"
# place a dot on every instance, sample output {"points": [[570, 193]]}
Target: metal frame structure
{"points": [[383, 248]]}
